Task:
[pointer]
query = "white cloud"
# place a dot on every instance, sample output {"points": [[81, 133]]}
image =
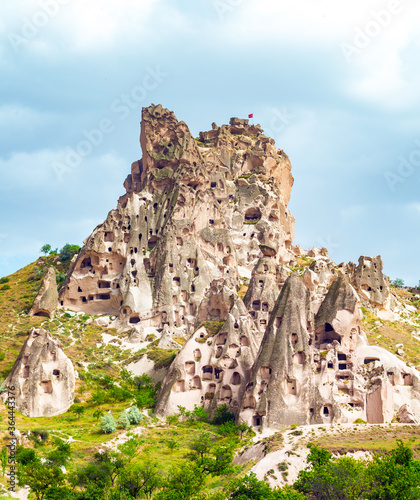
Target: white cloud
{"points": [[47, 27], [352, 212], [35, 170], [15, 116], [413, 208]]}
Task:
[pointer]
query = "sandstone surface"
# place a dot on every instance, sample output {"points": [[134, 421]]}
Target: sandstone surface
{"points": [[43, 377]]}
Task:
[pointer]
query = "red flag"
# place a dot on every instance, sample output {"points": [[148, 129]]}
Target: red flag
{"points": [[251, 115]]}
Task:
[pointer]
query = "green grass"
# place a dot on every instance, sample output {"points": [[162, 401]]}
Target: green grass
{"points": [[162, 357], [387, 334]]}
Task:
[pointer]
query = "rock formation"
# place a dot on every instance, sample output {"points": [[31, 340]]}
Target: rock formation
{"points": [[194, 212], [200, 247], [43, 377], [372, 285], [46, 301], [214, 365]]}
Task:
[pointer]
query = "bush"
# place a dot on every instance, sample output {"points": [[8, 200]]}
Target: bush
{"points": [[282, 466], [359, 421], [123, 420], [134, 415], [4, 280], [296, 433], [38, 274], [222, 415], [60, 277], [40, 435], [108, 424], [5, 287]]}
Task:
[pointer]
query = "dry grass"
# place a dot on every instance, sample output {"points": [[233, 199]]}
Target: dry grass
{"points": [[373, 438]]}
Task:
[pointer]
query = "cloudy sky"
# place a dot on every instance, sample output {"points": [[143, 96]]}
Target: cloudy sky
{"points": [[335, 83]]}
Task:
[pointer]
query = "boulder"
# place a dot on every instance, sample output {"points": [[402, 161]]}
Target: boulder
{"points": [[405, 415]]}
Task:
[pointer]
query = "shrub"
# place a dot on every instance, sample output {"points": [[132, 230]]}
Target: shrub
{"points": [[60, 277], [359, 421], [108, 424], [282, 466], [123, 420], [172, 419], [38, 273], [222, 415], [199, 413], [5, 287], [40, 435], [134, 415], [4, 280]]}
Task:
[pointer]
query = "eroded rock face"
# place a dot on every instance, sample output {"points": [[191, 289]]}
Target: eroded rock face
{"points": [[46, 301], [213, 366], [193, 212], [43, 377], [204, 223], [278, 390], [317, 368], [372, 285]]}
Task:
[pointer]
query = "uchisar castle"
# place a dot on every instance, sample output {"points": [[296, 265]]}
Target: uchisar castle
{"points": [[200, 248]]}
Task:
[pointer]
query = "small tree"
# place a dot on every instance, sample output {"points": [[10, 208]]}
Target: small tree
{"points": [[40, 477], [46, 249], [78, 410], [68, 251], [98, 414], [398, 282], [199, 413], [141, 479], [130, 448], [243, 428], [108, 424], [182, 482]]}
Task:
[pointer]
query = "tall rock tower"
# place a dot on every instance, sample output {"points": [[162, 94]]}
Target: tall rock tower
{"points": [[195, 211]]}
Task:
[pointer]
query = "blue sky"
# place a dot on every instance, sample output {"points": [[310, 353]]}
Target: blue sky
{"points": [[335, 84]]}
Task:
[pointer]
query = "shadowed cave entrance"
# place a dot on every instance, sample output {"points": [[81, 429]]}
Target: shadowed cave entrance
{"points": [[326, 337]]}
